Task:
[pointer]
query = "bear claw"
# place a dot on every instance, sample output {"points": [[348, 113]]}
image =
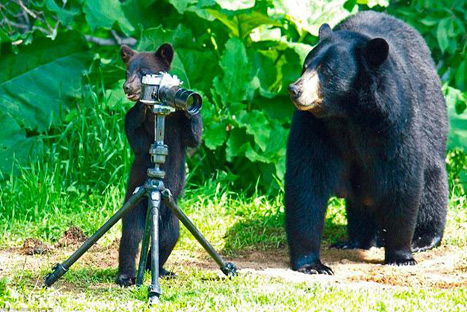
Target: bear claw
{"points": [[316, 268], [401, 262]]}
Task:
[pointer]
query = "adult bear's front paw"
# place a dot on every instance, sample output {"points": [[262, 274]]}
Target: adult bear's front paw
{"points": [[315, 268], [401, 262], [125, 280], [399, 258]]}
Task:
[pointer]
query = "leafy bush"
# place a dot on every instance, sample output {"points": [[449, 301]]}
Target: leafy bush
{"points": [[240, 55]]}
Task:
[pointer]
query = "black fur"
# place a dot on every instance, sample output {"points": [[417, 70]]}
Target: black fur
{"points": [[377, 138], [180, 132]]}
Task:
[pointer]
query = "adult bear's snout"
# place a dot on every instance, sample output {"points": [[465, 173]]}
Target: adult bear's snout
{"points": [[294, 91]]}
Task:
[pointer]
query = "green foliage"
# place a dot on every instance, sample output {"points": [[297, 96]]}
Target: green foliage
{"points": [[240, 55], [443, 26], [35, 87], [106, 13]]}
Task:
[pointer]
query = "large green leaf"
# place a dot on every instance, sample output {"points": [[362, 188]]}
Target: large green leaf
{"points": [[457, 122], [36, 83], [65, 15], [216, 135], [181, 5], [105, 13], [35, 87], [232, 86], [237, 143], [242, 22], [442, 35], [14, 144], [257, 125]]}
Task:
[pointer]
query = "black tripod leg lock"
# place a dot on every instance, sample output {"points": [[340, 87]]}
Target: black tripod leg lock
{"points": [[52, 277], [229, 269]]}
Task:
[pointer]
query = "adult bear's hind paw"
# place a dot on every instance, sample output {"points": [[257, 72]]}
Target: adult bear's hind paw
{"points": [[350, 245]]}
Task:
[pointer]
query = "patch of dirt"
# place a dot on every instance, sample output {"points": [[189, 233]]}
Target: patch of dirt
{"points": [[33, 246], [72, 236], [443, 267]]}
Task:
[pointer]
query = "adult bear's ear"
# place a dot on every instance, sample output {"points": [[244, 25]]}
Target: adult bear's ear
{"points": [[165, 53], [126, 52], [324, 31], [376, 51]]}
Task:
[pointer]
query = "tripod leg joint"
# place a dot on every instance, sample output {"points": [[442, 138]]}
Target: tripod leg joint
{"points": [[166, 193]]}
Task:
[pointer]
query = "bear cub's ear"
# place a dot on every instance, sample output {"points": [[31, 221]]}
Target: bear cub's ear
{"points": [[376, 51], [324, 32], [165, 53], [126, 52]]}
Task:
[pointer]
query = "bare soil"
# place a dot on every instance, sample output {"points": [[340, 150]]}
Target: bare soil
{"points": [[444, 267]]}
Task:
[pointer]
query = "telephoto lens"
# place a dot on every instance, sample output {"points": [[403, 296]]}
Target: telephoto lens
{"points": [[188, 101]]}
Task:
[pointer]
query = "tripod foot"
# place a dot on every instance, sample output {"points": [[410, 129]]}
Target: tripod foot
{"points": [[153, 295], [154, 301], [229, 269], [52, 277]]}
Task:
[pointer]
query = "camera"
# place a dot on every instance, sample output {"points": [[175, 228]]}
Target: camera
{"points": [[165, 89]]}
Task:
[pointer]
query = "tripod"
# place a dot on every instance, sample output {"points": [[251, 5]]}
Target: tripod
{"points": [[155, 191]]}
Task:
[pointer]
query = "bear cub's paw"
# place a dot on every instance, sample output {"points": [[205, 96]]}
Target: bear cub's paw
{"points": [[315, 268], [168, 275], [125, 281]]}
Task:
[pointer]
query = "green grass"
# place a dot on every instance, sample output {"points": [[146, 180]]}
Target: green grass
{"points": [[196, 290], [79, 179]]}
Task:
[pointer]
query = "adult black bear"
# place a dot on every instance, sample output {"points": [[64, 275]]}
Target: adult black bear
{"points": [[370, 126], [180, 132]]}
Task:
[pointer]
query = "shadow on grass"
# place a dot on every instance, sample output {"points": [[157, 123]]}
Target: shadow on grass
{"points": [[83, 277], [268, 233]]}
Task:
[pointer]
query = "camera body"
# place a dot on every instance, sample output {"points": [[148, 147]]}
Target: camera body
{"points": [[165, 89]]}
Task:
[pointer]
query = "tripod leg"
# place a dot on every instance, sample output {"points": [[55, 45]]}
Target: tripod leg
{"points": [[61, 269], [227, 268], [154, 206], [144, 249]]}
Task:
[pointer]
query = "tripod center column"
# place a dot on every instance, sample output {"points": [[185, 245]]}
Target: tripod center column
{"points": [[159, 150]]}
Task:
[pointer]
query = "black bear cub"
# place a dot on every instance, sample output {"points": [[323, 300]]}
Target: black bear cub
{"points": [[181, 132], [370, 126]]}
